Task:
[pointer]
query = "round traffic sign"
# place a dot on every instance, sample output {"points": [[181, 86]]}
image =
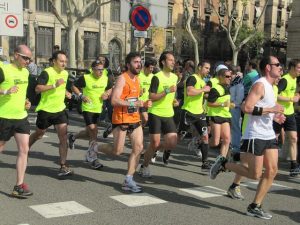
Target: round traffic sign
{"points": [[11, 21], [140, 17]]}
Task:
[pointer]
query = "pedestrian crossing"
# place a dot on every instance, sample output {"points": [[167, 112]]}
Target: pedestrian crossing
{"points": [[69, 208]]}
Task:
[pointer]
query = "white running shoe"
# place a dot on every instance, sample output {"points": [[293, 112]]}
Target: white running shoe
{"points": [[130, 185]]}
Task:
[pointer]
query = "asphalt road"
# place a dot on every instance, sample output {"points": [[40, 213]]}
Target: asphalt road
{"points": [[177, 194]]}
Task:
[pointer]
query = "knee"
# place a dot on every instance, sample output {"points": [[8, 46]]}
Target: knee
{"points": [[155, 144], [270, 172], [226, 139], [293, 138], [255, 175]]}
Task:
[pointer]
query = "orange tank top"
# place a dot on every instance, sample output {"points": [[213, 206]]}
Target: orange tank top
{"points": [[130, 93]]}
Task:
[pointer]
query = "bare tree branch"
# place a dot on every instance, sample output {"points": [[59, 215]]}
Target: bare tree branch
{"points": [[56, 14], [260, 16], [83, 13]]}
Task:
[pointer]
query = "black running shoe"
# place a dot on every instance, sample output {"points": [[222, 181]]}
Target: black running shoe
{"points": [[71, 139], [258, 212], [217, 167], [166, 156], [21, 191], [205, 165]]}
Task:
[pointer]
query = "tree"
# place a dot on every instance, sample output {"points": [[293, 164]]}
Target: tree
{"points": [[189, 10], [237, 33], [77, 12]]}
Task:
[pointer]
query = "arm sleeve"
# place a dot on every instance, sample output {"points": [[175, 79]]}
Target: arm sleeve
{"points": [[43, 78], [191, 81], [213, 95], [282, 85], [1, 76], [154, 85], [80, 82]]}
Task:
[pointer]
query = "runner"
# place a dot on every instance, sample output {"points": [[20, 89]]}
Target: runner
{"points": [[96, 88], [126, 120], [259, 148], [51, 109], [13, 114]]}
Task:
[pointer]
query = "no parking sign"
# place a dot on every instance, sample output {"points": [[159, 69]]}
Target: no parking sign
{"points": [[140, 17], [11, 18]]}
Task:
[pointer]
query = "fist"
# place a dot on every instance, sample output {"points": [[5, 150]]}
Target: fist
{"points": [[148, 103], [206, 89], [172, 88], [27, 104], [13, 89], [59, 82]]}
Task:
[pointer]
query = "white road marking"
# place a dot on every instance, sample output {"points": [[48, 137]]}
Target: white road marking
{"points": [[275, 187], [60, 209], [205, 192], [140, 199]]}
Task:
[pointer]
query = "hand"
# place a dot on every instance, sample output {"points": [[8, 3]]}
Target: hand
{"points": [[206, 88], [172, 88], [68, 95], [296, 98], [148, 103], [105, 96], [85, 99], [278, 109], [59, 82], [175, 103], [232, 105], [27, 104], [139, 103], [13, 89], [279, 118]]}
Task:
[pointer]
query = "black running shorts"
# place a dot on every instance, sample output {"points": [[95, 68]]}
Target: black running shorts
{"points": [[90, 118], [161, 125], [288, 125], [258, 146], [8, 127], [46, 119]]}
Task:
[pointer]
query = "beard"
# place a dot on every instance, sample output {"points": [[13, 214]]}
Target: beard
{"points": [[135, 71]]}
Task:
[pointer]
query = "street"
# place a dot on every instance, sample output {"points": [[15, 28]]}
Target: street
{"points": [[177, 194]]}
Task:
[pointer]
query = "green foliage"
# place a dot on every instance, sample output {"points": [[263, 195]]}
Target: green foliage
{"points": [[244, 32]]}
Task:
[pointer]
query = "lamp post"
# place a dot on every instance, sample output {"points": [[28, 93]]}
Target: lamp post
{"points": [[36, 26]]}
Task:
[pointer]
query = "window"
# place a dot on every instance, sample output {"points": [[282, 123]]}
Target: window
{"points": [[25, 4], [96, 14], [63, 7], [64, 40], [15, 41], [43, 5], [169, 40], [115, 11], [91, 40], [170, 15], [44, 42]]}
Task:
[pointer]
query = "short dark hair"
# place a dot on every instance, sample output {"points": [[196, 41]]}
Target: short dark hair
{"points": [[222, 72], [293, 63], [252, 64], [263, 63], [96, 63], [163, 57], [150, 62], [203, 62], [55, 54], [106, 64], [130, 56]]}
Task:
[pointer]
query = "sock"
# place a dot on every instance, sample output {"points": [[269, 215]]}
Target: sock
{"points": [[254, 205], [128, 177], [293, 164], [204, 151], [234, 185]]}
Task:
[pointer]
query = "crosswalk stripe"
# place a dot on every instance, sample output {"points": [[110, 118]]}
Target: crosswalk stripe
{"points": [[139, 199], [205, 192]]}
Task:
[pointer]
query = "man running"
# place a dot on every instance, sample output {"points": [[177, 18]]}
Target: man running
{"points": [[51, 109], [13, 114], [126, 119], [259, 148], [96, 88]]}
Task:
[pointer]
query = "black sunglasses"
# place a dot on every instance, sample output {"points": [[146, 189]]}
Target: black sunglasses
{"points": [[228, 76], [26, 58], [275, 64]]}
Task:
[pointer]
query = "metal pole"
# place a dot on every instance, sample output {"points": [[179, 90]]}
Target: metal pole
{"points": [[132, 39]]}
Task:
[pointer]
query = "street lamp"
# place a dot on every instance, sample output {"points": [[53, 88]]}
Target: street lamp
{"points": [[36, 26]]}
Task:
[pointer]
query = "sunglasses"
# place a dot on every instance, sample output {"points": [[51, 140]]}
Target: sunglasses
{"points": [[275, 64], [26, 58], [227, 76], [98, 69]]}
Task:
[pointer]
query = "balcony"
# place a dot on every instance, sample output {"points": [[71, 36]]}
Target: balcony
{"points": [[208, 10], [281, 4]]}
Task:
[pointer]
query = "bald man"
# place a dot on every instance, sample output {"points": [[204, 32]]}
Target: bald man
{"points": [[13, 113]]}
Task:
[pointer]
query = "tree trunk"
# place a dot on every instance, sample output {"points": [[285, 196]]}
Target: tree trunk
{"points": [[235, 53], [72, 46]]}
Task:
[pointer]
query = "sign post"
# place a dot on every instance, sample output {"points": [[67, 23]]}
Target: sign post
{"points": [[11, 18]]}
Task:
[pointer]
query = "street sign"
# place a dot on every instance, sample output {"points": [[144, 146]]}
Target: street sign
{"points": [[140, 34], [140, 17], [158, 10], [11, 18]]}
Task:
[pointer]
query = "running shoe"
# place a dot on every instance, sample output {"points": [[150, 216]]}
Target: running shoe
{"points": [[21, 191], [217, 167], [295, 172], [258, 212], [144, 172], [71, 139], [96, 164], [235, 193], [166, 156], [64, 171], [153, 159], [205, 165], [130, 185]]}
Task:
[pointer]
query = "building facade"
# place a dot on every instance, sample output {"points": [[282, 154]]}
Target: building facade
{"points": [[293, 47]]}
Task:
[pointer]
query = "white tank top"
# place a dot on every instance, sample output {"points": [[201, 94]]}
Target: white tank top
{"points": [[261, 127]]}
